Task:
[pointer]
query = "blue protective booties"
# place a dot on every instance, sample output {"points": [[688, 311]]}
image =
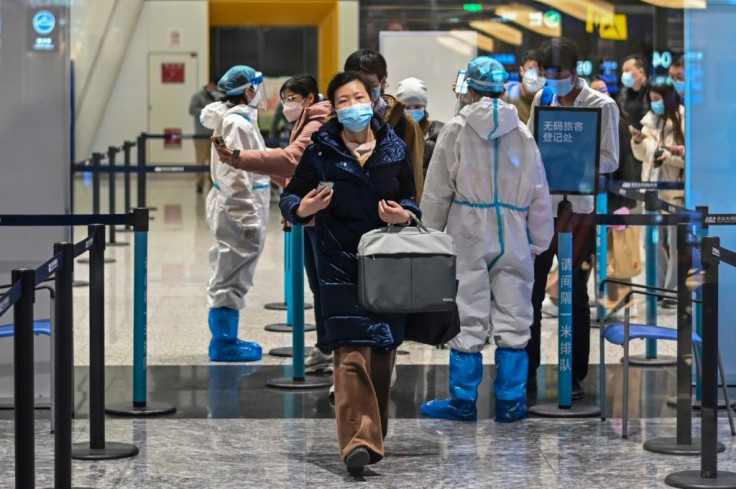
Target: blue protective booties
{"points": [[512, 368], [466, 372], [225, 345]]}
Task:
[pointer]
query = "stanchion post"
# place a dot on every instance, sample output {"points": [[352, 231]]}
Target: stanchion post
{"points": [[565, 261], [652, 244], [25, 454], [112, 152], [127, 146], [296, 303], [601, 262], [141, 177], [684, 338], [564, 407], [98, 448], [701, 231], [97, 338], [708, 476], [709, 409], [298, 379], [140, 406], [63, 367], [96, 160]]}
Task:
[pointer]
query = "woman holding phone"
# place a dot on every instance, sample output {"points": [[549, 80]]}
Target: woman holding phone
{"points": [[367, 181], [663, 128]]}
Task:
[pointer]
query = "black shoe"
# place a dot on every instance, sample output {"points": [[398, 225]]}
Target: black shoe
{"points": [[357, 459], [577, 390], [200, 189], [668, 304], [531, 386]]}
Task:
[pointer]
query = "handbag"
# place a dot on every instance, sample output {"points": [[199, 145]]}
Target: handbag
{"points": [[406, 270]]}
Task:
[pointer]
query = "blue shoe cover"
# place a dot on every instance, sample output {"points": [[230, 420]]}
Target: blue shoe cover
{"points": [[512, 368], [466, 372], [225, 345]]}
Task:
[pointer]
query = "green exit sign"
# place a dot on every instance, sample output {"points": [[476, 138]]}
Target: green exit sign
{"points": [[473, 7]]}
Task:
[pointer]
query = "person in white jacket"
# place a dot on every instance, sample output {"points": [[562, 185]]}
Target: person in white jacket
{"points": [[487, 188], [662, 128], [235, 213]]}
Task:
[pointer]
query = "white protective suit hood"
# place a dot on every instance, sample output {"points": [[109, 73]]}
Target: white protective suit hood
{"points": [[490, 124]]}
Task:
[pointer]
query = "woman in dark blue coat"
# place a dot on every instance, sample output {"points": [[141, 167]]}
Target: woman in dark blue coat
{"points": [[368, 182]]}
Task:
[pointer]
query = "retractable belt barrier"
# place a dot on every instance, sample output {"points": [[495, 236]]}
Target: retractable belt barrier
{"points": [[709, 475], [21, 295], [566, 221]]}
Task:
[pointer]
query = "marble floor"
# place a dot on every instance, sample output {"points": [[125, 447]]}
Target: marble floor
{"points": [[230, 431], [420, 453]]}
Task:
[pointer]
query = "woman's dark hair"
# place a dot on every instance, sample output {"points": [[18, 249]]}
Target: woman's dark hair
{"points": [[302, 84], [671, 110], [558, 54], [343, 78], [368, 62]]}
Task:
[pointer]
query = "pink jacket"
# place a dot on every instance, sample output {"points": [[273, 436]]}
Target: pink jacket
{"points": [[280, 163]]}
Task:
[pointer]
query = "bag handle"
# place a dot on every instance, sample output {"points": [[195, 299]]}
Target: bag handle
{"points": [[412, 217]]}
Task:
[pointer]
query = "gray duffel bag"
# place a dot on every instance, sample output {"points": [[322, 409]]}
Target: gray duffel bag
{"points": [[406, 270]]}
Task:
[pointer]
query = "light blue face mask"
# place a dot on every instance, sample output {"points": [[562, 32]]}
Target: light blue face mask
{"points": [[679, 86], [376, 92], [657, 107], [355, 118], [416, 114], [627, 79], [560, 87]]}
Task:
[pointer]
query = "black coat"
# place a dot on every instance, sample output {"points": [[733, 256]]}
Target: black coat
{"points": [[352, 212]]}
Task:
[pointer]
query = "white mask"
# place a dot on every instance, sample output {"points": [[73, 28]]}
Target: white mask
{"points": [[532, 81], [292, 110]]}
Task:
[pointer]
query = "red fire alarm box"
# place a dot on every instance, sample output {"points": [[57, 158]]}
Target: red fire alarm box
{"points": [[172, 72], [173, 138]]}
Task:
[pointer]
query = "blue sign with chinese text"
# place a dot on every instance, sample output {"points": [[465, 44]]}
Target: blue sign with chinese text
{"points": [[569, 142]]}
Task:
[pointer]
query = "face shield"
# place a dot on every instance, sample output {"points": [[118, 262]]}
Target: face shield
{"points": [[256, 91]]}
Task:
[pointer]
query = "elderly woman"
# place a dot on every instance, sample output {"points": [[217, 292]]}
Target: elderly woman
{"points": [[355, 178]]}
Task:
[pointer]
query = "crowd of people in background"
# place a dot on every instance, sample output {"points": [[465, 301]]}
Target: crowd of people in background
{"points": [[359, 158]]}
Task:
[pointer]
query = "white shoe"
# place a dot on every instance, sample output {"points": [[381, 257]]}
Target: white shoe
{"points": [[318, 362], [331, 392], [549, 308], [619, 314], [393, 376]]}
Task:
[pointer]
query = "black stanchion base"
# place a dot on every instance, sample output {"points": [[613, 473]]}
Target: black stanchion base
{"points": [[80, 283], [672, 402], [550, 410], [660, 361], [112, 451], [286, 328], [107, 260], [281, 306], [284, 352], [118, 244], [692, 479], [669, 446], [308, 382], [150, 409]]}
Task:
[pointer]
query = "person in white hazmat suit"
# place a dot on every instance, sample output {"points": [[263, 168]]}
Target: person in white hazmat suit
{"points": [[486, 187], [237, 212]]}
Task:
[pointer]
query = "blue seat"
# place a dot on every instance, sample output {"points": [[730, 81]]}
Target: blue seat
{"points": [[614, 333], [42, 326]]}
